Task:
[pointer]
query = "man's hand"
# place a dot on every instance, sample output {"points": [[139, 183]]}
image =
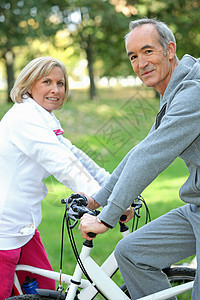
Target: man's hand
{"points": [[90, 224], [92, 204], [129, 213]]}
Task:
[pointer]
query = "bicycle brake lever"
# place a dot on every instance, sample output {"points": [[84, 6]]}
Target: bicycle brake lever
{"points": [[81, 210], [74, 219], [80, 200], [136, 212], [137, 204]]}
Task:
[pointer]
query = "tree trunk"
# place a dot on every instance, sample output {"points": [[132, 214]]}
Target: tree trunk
{"points": [[90, 70], [9, 58]]}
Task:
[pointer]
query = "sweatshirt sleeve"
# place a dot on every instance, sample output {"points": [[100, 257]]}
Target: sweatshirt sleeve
{"points": [[179, 127], [33, 137], [103, 194]]}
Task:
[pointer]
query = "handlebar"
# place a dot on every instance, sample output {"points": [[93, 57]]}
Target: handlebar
{"points": [[76, 207]]}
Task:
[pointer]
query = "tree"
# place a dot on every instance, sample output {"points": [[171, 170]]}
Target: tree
{"points": [[182, 16], [21, 22], [96, 27], [98, 30]]}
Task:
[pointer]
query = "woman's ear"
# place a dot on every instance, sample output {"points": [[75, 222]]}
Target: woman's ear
{"points": [[29, 92], [171, 50]]}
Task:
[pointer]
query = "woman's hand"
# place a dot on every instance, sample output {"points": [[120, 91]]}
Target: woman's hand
{"points": [[92, 204]]}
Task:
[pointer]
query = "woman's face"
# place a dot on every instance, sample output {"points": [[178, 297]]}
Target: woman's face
{"points": [[49, 91]]}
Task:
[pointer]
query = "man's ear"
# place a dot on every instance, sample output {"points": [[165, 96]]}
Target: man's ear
{"points": [[171, 50]]}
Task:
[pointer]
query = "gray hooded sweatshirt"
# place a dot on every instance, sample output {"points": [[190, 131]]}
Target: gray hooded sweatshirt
{"points": [[176, 133]]}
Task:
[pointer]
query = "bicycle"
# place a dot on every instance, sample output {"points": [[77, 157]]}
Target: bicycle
{"points": [[98, 279]]}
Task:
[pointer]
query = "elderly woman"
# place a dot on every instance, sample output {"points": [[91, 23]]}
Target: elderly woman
{"points": [[32, 148]]}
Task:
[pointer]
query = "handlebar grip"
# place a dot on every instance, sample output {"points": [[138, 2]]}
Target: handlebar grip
{"points": [[123, 218], [91, 234]]}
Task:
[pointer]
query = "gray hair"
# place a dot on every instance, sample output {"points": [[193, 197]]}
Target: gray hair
{"points": [[165, 34]]}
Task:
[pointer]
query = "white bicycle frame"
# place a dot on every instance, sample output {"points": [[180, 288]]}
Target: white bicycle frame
{"points": [[100, 277]]}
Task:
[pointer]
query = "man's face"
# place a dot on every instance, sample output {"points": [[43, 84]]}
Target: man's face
{"points": [[148, 59]]}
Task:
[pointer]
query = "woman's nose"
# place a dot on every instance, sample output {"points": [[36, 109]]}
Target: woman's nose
{"points": [[55, 88]]}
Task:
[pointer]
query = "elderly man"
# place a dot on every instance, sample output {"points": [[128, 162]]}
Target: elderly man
{"points": [[141, 256]]}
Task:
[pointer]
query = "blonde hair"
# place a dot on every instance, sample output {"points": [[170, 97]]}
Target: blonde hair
{"points": [[34, 70]]}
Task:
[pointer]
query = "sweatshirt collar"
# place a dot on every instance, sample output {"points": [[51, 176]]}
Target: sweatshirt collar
{"points": [[49, 117]]}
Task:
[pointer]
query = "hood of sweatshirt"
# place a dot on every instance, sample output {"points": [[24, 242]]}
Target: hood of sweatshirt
{"points": [[188, 68]]}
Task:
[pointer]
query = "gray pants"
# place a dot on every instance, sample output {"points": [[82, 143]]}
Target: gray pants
{"points": [[162, 242]]}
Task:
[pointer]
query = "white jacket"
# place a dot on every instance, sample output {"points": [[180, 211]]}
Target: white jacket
{"points": [[32, 148]]}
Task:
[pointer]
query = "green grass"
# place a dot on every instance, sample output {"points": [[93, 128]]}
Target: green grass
{"points": [[106, 129]]}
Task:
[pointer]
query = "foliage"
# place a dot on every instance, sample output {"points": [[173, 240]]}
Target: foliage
{"points": [[182, 16], [21, 22], [93, 29], [97, 31], [90, 32]]}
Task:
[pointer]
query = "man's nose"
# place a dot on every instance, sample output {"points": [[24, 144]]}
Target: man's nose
{"points": [[142, 62]]}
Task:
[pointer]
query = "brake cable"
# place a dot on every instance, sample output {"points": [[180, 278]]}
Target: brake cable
{"points": [[60, 287], [74, 248], [137, 214], [66, 219]]}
